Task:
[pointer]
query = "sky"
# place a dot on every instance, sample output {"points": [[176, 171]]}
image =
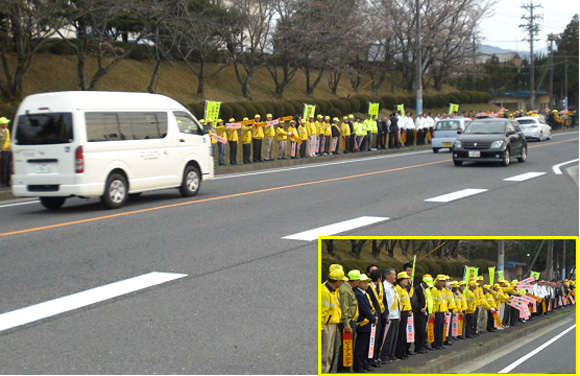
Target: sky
{"points": [[502, 29]]}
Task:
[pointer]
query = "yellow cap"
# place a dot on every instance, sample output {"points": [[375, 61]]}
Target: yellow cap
{"points": [[335, 267], [454, 284], [202, 121], [338, 275], [231, 120], [364, 278], [441, 277], [327, 117], [220, 121], [485, 286], [480, 278], [4, 120], [402, 275], [345, 118], [257, 116], [245, 119], [354, 275], [472, 284], [268, 115], [319, 116]]}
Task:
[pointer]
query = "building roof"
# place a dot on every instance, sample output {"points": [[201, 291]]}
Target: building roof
{"points": [[517, 94], [513, 264]]}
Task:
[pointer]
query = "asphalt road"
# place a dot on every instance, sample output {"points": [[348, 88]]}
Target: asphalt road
{"points": [[247, 301]]}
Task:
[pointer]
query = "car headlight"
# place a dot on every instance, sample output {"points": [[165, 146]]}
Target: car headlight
{"points": [[497, 144], [457, 144]]}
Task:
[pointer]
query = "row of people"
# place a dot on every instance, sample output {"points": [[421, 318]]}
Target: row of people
{"points": [[379, 304]]}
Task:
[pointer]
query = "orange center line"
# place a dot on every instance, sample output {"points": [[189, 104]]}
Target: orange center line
{"points": [[111, 216]]}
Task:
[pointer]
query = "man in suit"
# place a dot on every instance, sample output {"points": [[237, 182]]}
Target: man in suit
{"points": [[420, 313], [366, 318]]}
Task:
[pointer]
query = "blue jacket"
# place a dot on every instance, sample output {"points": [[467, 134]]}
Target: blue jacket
{"points": [[364, 310]]}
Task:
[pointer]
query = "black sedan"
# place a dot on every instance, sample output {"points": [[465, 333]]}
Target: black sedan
{"points": [[490, 140]]}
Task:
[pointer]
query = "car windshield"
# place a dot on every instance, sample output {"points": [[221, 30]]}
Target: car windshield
{"points": [[447, 125], [486, 127]]}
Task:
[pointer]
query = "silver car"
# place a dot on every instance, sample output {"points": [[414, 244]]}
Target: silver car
{"points": [[535, 128], [446, 131]]}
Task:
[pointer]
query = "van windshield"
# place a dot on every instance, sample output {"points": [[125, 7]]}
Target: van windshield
{"points": [[41, 129]]}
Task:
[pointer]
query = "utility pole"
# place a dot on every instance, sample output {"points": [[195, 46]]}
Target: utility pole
{"points": [[419, 64], [564, 260], [549, 260], [565, 84], [500, 255], [533, 28], [551, 39]]}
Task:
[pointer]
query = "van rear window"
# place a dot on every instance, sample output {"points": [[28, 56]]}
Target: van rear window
{"points": [[41, 129], [447, 125], [125, 126]]}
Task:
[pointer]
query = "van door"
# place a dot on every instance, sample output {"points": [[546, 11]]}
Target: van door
{"points": [[195, 145]]}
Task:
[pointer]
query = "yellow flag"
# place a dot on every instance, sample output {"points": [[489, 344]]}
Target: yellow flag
{"points": [[211, 111], [374, 109], [309, 110]]}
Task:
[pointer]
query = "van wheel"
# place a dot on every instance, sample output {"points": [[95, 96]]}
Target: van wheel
{"points": [[52, 203], [115, 191], [191, 181], [435, 150]]}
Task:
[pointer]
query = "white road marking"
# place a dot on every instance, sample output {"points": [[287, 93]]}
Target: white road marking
{"points": [[528, 356], [556, 168], [67, 303], [20, 203], [336, 228], [526, 176], [456, 195]]}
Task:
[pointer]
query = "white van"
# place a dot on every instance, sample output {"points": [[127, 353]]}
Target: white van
{"points": [[106, 144]]}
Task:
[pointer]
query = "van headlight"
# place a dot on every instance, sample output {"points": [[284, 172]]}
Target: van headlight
{"points": [[457, 144], [497, 144]]}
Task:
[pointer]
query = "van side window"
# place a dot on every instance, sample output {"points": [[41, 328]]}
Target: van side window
{"points": [[125, 126], [187, 124]]}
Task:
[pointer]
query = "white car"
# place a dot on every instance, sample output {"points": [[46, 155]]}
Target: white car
{"points": [[446, 131], [535, 128]]}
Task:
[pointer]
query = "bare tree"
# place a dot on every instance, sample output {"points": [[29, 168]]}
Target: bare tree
{"points": [[25, 25], [248, 44]]}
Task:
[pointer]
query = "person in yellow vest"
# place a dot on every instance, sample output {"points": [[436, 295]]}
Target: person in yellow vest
{"points": [[5, 143], [257, 138], [312, 136], [481, 310], [462, 306], [360, 133], [329, 316], [349, 313], [327, 134], [247, 130], [401, 287], [319, 133], [345, 131], [374, 133], [220, 131], [269, 134], [303, 135], [292, 137], [489, 305], [367, 316], [439, 309], [232, 135], [212, 133], [281, 137], [448, 295], [470, 310], [500, 301]]}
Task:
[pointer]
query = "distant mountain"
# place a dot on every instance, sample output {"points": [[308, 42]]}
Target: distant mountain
{"points": [[490, 50]]}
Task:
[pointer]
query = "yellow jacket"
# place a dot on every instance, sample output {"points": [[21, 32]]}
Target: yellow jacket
{"points": [[246, 134], [487, 301], [329, 306], [311, 127], [319, 127], [281, 134], [302, 132], [404, 298], [6, 145], [258, 133], [439, 301], [232, 134], [327, 129], [269, 131], [471, 301], [345, 129], [448, 294]]}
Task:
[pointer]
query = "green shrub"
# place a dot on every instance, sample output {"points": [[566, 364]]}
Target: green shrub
{"points": [[278, 109], [390, 102], [226, 112], [354, 105], [298, 107], [269, 108], [249, 109], [197, 109], [334, 112], [260, 109], [289, 109], [238, 112], [339, 105], [347, 104]]}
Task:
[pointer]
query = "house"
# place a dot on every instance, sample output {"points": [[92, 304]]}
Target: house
{"points": [[502, 58], [519, 100], [514, 269]]}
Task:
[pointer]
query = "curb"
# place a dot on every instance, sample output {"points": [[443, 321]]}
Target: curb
{"points": [[451, 360]]}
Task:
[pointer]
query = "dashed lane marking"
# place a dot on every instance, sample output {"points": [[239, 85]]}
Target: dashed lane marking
{"points": [[456, 195], [336, 228], [526, 176], [67, 303]]}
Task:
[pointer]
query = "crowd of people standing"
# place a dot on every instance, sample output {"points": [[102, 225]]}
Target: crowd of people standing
{"points": [[389, 319]]}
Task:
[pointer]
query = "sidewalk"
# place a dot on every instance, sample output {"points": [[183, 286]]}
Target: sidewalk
{"points": [[471, 348]]}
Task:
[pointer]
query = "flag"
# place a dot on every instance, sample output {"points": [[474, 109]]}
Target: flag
{"points": [[373, 109], [491, 270], [536, 275], [413, 275], [309, 110], [372, 341], [468, 273], [453, 108], [500, 274], [211, 110], [454, 326], [410, 329], [401, 109], [431, 330], [347, 349]]}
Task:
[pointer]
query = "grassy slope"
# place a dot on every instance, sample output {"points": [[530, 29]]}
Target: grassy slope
{"points": [[58, 72]]}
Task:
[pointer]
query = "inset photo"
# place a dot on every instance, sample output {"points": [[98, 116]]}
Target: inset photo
{"points": [[424, 305]]}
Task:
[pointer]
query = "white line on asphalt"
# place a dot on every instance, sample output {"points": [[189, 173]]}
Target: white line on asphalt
{"points": [[20, 203], [556, 168], [456, 195], [314, 165], [336, 228], [527, 356], [526, 176], [67, 303]]}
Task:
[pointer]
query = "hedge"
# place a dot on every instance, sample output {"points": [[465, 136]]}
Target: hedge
{"points": [[249, 109], [260, 109], [197, 109], [238, 112], [226, 112]]}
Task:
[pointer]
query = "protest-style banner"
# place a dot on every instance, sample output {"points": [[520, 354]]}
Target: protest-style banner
{"points": [[500, 274], [293, 150], [491, 271], [496, 318], [410, 329], [453, 108], [572, 299], [334, 142], [524, 284], [454, 326], [431, 330], [372, 341], [385, 336], [322, 144], [223, 140], [469, 272], [309, 146], [401, 109], [233, 125], [536, 275], [413, 274], [373, 109], [347, 349], [211, 111], [446, 325], [460, 324], [309, 110]]}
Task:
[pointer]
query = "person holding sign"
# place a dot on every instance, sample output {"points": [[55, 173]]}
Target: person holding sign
{"points": [[470, 310], [233, 142], [246, 140], [257, 137], [367, 317], [439, 309], [401, 287], [330, 315], [489, 305], [349, 314]]}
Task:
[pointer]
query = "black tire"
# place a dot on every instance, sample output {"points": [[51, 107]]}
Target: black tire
{"points": [[506, 158], [191, 181], [550, 137], [457, 163], [524, 155], [52, 203], [135, 195], [115, 194], [435, 150]]}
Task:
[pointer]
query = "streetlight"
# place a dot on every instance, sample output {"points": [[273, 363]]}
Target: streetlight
{"points": [[551, 39]]}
